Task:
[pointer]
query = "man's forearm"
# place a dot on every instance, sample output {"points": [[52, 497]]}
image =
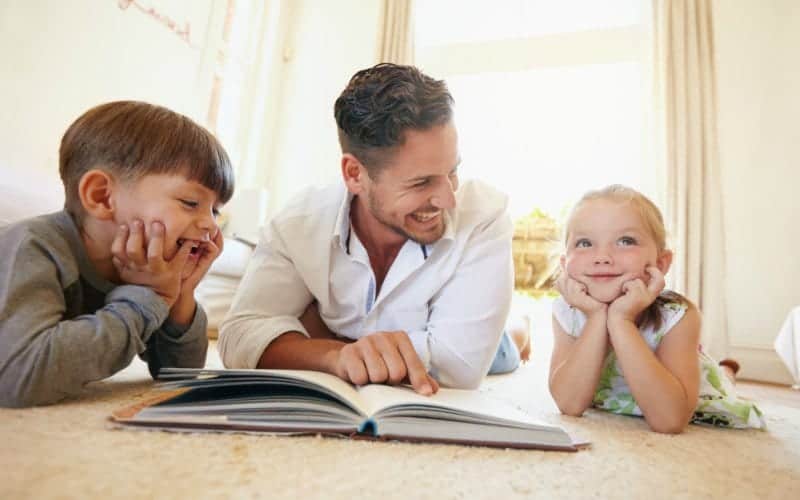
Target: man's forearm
{"points": [[294, 351]]}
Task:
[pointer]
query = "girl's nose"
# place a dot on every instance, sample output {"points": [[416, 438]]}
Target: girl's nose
{"points": [[603, 257]]}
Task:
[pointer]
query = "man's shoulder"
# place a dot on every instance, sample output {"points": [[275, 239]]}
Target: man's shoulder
{"points": [[312, 210], [478, 203], [478, 196]]}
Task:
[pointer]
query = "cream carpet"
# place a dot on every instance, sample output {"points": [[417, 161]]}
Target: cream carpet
{"points": [[70, 450]]}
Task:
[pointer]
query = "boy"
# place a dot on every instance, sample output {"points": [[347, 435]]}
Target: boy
{"points": [[113, 275]]}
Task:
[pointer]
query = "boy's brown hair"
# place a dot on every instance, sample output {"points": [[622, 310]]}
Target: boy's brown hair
{"points": [[131, 139]]}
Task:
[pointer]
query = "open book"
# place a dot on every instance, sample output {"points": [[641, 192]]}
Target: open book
{"points": [[308, 402]]}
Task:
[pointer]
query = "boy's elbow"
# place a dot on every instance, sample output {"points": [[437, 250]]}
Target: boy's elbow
{"points": [[15, 396]]}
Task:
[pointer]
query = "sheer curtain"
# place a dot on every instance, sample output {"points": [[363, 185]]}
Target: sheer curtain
{"points": [[686, 114], [396, 32]]}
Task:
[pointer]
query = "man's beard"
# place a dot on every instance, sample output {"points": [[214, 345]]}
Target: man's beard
{"points": [[376, 209]]}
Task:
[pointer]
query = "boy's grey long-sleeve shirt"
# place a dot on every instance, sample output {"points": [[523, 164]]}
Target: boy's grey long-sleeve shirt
{"points": [[63, 325]]}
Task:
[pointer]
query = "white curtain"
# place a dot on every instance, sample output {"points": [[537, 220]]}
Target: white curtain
{"points": [[396, 32], [686, 119]]}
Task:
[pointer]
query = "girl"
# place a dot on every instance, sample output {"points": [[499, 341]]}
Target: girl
{"points": [[623, 343]]}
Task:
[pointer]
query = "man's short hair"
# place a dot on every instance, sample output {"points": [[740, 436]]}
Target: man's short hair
{"points": [[131, 139], [381, 103]]}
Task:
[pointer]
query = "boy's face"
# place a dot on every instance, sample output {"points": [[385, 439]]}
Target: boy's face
{"points": [[608, 244], [187, 209]]}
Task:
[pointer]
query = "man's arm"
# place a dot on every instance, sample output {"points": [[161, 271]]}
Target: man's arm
{"points": [[468, 314], [268, 302]]}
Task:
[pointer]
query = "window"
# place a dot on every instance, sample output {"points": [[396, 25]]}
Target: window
{"points": [[551, 97]]}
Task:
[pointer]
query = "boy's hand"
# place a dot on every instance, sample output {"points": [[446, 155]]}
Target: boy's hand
{"points": [[209, 251], [636, 296], [143, 264], [576, 295], [383, 358]]}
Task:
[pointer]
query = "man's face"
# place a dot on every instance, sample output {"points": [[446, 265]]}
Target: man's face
{"points": [[418, 183], [187, 209], [608, 244]]}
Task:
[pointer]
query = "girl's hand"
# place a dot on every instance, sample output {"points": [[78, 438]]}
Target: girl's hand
{"points": [[636, 296], [576, 295]]}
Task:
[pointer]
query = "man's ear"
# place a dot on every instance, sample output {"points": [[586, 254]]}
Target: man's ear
{"points": [[353, 173], [664, 261], [95, 190]]}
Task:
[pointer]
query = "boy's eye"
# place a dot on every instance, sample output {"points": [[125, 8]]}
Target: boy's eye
{"points": [[627, 241], [583, 243], [215, 212], [189, 203]]}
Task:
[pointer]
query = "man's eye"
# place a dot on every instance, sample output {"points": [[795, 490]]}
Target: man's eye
{"points": [[583, 243], [189, 203], [627, 241], [420, 184]]}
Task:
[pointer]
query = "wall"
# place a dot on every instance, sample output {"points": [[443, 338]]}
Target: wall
{"points": [[758, 49], [61, 58], [327, 43]]}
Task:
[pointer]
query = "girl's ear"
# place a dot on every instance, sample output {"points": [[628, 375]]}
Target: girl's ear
{"points": [[353, 173], [95, 191], [664, 261]]}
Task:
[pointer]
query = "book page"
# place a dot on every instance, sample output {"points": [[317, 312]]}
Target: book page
{"points": [[328, 383], [383, 400]]}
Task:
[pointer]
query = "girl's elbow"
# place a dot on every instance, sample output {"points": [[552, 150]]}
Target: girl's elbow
{"points": [[671, 425]]}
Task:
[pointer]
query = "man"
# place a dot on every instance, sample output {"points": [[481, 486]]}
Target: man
{"points": [[396, 276]]}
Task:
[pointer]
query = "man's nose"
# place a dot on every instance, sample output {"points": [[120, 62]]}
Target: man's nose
{"points": [[445, 195]]}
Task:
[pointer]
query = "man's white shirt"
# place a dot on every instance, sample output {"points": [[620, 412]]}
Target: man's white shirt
{"points": [[451, 297]]}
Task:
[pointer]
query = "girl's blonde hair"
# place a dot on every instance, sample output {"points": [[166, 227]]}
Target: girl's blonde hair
{"points": [[653, 221]]}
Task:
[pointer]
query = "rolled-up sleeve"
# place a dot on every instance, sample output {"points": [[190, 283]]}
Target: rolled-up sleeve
{"points": [[267, 304], [468, 314]]}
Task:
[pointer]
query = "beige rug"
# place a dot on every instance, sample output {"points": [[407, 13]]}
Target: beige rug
{"points": [[71, 451]]}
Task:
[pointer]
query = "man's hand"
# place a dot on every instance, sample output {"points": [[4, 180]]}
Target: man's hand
{"points": [[142, 263], [576, 295], [383, 358], [636, 296]]}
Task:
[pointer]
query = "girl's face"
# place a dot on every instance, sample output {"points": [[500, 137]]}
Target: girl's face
{"points": [[609, 244]]}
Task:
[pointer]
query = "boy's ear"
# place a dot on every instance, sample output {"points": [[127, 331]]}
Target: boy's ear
{"points": [[664, 261], [353, 173], [95, 190]]}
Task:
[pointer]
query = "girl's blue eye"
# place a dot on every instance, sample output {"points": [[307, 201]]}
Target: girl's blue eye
{"points": [[627, 241], [583, 243]]}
